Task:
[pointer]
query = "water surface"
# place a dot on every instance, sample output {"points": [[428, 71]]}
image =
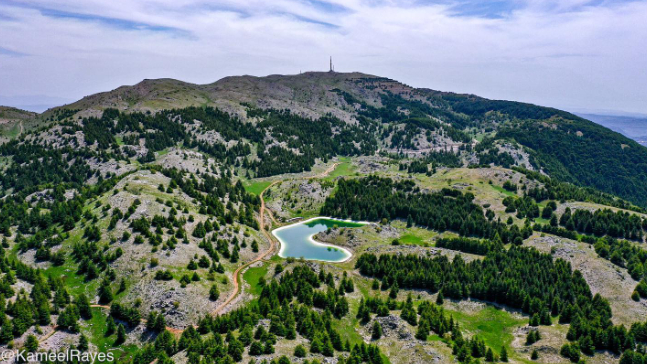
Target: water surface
{"points": [[297, 242]]}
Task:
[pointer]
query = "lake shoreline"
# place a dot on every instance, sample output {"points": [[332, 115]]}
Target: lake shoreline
{"points": [[310, 239]]}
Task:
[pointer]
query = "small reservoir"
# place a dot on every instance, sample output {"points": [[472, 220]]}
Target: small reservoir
{"points": [[297, 240]]}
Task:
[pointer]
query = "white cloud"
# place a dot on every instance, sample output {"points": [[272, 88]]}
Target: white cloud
{"points": [[573, 53]]}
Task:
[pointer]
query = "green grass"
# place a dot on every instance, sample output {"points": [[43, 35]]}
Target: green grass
{"points": [[276, 259], [334, 223], [96, 328], [346, 326], [414, 235], [434, 337], [491, 324], [13, 132], [163, 152], [503, 190], [74, 283], [345, 168], [411, 239], [252, 276], [257, 187]]}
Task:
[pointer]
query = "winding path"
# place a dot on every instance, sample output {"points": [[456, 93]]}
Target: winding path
{"points": [[270, 238], [261, 222], [236, 275]]}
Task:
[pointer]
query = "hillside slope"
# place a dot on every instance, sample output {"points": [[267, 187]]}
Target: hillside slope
{"points": [[138, 222], [13, 122], [412, 121]]}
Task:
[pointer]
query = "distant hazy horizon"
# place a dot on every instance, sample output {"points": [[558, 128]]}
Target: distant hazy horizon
{"points": [[634, 127]]}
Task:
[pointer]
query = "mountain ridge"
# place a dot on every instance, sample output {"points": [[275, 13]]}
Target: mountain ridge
{"points": [[402, 120], [164, 93]]}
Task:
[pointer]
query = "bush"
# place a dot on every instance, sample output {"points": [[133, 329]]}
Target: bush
{"points": [[300, 351]]}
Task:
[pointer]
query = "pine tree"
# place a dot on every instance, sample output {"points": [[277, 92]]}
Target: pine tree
{"points": [[68, 319], [504, 355], [489, 356], [160, 323], [199, 231], [423, 331], [394, 291], [105, 292], [256, 348], [83, 304], [377, 331], [31, 344], [553, 220], [375, 285], [6, 333], [150, 320], [214, 293], [327, 348], [315, 345], [43, 314], [83, 343], [234, 256], [121, 335], [544, 318], [122, 286], [110, 326], [534, 320]]}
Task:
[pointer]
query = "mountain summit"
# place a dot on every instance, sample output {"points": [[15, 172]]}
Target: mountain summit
{"points": [[409, 120]]}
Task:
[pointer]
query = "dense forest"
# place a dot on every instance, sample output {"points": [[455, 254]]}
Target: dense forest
{"points": [[587, 154], [520, 278], [375, 198]]}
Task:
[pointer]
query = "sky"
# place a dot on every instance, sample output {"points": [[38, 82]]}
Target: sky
{"points": [[577, 55]]}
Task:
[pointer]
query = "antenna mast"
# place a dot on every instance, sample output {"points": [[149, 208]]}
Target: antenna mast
{"points": [[331, 68]]}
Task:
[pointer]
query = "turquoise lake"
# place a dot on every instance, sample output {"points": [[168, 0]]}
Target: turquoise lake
{"points": [[297, 242]]}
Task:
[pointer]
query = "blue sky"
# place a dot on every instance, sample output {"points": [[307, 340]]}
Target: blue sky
{"points": [[570, 54]]}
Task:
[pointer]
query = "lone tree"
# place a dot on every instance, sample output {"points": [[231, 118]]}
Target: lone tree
{"points": [[504, 355], [121, 335], [214, 293], [377, 330], [300, 351]]}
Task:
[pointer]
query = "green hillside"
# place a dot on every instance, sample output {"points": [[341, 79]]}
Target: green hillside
{"points": [[139, 222]]}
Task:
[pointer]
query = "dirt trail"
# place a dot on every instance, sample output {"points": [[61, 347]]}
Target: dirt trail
{"points": [[236, 281], [271, 215], [49, 334], [261, 221], [326, 172], [269, 237]]}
